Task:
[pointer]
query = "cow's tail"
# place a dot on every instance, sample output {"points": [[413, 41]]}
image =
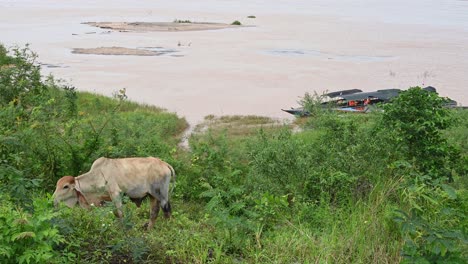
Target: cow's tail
{"points": [[173, 178]]}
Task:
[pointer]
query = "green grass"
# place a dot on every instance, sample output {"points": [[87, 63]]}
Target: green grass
{"points": [[237, 126], [95, 104]]}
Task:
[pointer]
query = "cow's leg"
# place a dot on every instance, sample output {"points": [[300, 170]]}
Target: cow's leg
{"points": [[117, 199], [167, 209], [154, 211], [165, 204]]}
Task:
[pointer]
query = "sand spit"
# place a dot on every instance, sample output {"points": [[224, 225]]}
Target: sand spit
{"points": [[158, 26], [121, 51]]}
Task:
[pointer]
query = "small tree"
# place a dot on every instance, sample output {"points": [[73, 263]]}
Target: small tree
{"points": [[429, 217], [417, 118], [311, 103], [20, 77]]}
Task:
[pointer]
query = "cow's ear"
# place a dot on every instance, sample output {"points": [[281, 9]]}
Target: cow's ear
{"points": [[76, 186]]}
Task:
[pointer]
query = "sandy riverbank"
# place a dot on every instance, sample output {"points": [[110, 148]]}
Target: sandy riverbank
{"points": [[290, 48]]}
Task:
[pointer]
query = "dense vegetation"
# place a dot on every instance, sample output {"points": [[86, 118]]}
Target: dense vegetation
{"points": [[379, 188]]}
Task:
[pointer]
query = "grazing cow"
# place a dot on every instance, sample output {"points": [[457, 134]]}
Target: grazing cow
{"points": [[108, 179]]}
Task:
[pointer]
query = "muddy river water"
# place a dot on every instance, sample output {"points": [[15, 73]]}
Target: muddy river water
{"points": [[288, 48]]}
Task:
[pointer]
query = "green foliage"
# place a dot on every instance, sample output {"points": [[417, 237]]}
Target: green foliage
{"points": [[312, 103], [14, 183], [96, 235], [5, 59], [236, 23], [432, 224], [278, 163], [221, 186], [20, 79], [430, 220], [29, 237], [417, 118]]}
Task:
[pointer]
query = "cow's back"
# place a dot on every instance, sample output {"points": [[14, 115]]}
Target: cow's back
{"points": [[135, 176]]}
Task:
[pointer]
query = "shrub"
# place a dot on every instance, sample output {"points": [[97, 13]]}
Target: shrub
{"points": [[96, 235], [20, 81], [29, 237], [277, 164], [432, 223], [417, 118], [429, 219]]}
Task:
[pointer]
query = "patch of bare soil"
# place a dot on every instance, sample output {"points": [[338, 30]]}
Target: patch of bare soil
{"points": [[121, 51], [158, 26]]}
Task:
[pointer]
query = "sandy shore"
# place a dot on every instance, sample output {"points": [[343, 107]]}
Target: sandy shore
{"points": [[290, 48]]}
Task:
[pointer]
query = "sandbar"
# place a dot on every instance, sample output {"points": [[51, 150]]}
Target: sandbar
{"points": [[120, 51], [158, 26]]}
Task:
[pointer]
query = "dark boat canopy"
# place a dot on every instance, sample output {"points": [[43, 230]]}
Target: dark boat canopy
{"points": [[430, 89], [343, 92], [384, 95]]}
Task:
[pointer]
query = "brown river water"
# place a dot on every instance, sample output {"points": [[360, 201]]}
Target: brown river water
{"points": [[291, 47]]}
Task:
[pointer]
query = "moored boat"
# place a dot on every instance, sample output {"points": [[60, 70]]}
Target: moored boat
{"points": [[357, 101]]}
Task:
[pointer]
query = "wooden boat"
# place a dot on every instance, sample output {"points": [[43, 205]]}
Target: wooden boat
{"points": [[357, 101]]}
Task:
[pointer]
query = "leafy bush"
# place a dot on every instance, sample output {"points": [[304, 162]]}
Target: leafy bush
{"points": [[430, 221], [312, 103], [277, 164], [417, 118], [29, 237], [20, 78], [97, 236]]}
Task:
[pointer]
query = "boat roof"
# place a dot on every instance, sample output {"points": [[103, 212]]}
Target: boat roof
{"points": [[385, 94], [343, 92]]}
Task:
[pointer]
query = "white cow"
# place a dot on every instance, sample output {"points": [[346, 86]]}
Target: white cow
{"points": [[108, 179]]}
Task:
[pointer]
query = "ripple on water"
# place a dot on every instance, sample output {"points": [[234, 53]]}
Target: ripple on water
{"points": [[328, 56]]}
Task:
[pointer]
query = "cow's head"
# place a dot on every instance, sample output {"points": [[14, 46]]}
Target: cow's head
{"points": [[66, 191]]}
